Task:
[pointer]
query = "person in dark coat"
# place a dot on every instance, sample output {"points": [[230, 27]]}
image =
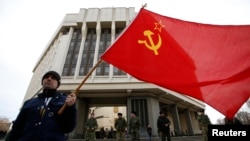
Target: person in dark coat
{"points": [[163, 125], [234, 121], [149, 131], [38, 119]]}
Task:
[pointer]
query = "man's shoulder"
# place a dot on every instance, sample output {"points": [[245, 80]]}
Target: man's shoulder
{"points": [[61, 94], [32, 100]]}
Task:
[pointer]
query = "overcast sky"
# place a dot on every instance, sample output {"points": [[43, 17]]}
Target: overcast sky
{"points": [[28, 25]]}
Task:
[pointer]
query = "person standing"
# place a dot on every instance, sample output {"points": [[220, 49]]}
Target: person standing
{"points": [[163, 125], [203, 121], [134, 126], [102, 133], [38, 119], [149, 131], [111, 133], [106, 133], [90, 127], [120, 126]]}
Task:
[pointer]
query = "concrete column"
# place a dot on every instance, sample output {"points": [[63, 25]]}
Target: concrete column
{"points": [[82, 111], [153, 114], [176, 119], [152, 109], [189, 122]]}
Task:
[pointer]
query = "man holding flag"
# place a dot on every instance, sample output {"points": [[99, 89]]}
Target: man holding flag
{"points": [[38, 119]]}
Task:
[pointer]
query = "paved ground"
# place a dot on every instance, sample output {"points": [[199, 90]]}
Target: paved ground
{"points": [[187, 138], [181, 138]]}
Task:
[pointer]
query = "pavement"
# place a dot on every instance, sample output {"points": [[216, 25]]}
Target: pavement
{"points": [[179, 138]]}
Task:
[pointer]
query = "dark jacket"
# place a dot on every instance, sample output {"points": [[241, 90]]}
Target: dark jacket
{"points": [[31, 126], [161, 124]]}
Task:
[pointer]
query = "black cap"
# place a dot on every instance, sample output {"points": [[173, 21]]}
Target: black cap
{"points": [[201, 110], [55, 74], [133, 112], [162, 112], [119, 114]]}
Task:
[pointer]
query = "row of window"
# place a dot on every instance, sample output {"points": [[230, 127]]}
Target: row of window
{"points": [[88, 53]]}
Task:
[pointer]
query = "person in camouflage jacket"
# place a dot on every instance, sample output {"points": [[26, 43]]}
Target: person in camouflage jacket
{"points": [[90, 127], [120, 126], [203, 121], [134, 126]]}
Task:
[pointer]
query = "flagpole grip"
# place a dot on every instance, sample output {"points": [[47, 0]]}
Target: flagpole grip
{"points": [[79, 86], [62, 109]]}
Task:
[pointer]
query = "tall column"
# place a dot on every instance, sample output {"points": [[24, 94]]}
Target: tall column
{"points": [[189, 122], [82, 111], [140, 105], [176, 119], [153, 114], [149, 113]]}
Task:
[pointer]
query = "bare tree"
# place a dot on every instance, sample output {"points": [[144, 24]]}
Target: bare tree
{"points": [[248, 103], [220, 121], [244, 117], [4, 124]]}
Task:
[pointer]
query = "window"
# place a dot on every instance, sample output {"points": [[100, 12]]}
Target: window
{"points": [[105, 41], [73, 51], [88, 52]]}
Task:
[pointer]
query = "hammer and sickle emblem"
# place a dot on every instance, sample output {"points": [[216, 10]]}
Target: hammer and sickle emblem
{"points": [[151, 45]]}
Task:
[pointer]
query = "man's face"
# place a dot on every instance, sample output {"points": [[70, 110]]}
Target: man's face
{"points": [[50, 82], [132, 115]]}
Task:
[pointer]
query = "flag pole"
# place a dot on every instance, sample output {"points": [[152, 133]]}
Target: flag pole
{"points": [[144, 5], [80, 85]]}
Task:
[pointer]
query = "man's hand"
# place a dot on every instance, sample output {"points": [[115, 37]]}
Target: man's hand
{"points": [[71, 99]]}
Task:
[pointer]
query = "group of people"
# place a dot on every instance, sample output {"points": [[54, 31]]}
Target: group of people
{"points": [[120, 125], [133, 127], [106, 133], [39, 119]]}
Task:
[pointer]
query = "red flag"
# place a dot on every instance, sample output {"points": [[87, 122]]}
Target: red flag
{"points": [[208, 62]]}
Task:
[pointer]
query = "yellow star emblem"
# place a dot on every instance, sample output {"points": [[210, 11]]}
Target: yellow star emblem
{"points": [[158, 26]]}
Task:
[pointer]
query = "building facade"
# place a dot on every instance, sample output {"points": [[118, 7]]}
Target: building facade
{"points": [[75, 49]]}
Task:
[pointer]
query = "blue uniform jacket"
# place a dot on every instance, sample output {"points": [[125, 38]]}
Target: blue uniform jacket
{"points": [[31, 126]]}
